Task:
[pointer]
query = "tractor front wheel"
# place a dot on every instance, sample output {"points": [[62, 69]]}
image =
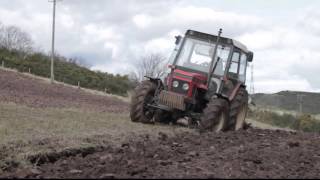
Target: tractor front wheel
{"points": [[215, 115], [143, 95]]}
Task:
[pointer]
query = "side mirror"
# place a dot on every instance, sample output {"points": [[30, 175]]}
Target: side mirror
{"points": [[250, 56], [178, 39], [171, 66]]}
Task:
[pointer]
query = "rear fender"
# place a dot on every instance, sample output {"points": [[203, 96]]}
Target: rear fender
{"points": [[235, 90]]}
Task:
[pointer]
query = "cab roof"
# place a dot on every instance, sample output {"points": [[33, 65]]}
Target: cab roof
{"points": [[213, 38]]}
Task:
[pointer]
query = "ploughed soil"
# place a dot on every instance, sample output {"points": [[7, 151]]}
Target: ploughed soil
{"points": [[24, 90], [250, 153]]}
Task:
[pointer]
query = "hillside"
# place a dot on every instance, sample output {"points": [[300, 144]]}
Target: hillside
{"points": [[67, 70], [33, 92], [288, 100]]}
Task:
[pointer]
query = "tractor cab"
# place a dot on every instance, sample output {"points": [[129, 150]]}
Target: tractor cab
{"points": [[196, 57]]}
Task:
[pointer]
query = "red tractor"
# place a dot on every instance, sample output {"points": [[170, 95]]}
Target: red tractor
{"points": [[206, 85]]}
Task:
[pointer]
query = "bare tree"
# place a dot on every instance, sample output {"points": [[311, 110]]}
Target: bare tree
{"points": [[1, 35], [13, 38], [152, 65]]}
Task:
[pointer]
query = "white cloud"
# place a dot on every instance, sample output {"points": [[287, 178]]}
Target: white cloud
{"points": [[275, 85], [142, 20], [98, 32], [286, 56]]}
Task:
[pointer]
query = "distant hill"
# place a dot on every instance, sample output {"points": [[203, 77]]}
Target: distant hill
{"points": [[288, 100]]}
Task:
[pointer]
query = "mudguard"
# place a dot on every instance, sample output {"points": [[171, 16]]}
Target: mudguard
{"points": [[157, 81], [235, 90]]}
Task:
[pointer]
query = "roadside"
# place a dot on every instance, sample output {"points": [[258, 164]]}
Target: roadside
{"points": [[262, 125]]}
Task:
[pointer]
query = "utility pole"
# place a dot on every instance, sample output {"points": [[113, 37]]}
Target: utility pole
{"points": [[53, 33], [252, 82], [299, 101]]}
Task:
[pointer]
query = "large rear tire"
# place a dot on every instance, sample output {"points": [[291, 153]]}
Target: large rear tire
{"points": [[215, 115], [238, 110], [143, 94]]}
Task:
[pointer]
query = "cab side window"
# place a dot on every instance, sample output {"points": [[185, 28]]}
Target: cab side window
{"points": [[233, 70], [242, 69]]}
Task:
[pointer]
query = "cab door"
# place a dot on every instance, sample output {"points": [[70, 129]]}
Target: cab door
{"points": [[238, 67], [232, 74]]}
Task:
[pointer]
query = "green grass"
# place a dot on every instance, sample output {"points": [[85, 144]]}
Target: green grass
{"points": [[304, 122], [280, 111], [26, 131]]}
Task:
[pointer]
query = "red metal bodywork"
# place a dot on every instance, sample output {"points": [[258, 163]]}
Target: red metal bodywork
{"points": [[194, 79]]}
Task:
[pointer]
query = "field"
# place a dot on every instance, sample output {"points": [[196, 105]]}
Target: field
{"points": [[57, 131]]}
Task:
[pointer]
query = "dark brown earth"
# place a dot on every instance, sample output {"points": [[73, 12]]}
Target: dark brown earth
{"points": [[21, 89], [251, 153]]}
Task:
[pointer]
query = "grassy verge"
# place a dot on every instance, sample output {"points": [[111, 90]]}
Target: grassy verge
{"points": [[262, 125], [280, 111], [25, 131], [302, 122]]}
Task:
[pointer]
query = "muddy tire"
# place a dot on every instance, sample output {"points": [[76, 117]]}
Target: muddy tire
{"points": [[215, 116], [238, 111], [142, 95]]}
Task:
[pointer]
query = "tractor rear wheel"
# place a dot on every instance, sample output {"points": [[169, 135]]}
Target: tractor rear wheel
{"points": [[143, 95], [238, 110], [215, 115]]}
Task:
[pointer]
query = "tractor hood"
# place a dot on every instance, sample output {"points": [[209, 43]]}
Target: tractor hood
{"points": [[195, 79]]}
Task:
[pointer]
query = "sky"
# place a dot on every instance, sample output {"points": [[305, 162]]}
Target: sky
{"points": [[111, 35]]}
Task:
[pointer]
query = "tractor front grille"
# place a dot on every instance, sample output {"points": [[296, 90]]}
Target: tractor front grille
{"points": [[172, 100]]}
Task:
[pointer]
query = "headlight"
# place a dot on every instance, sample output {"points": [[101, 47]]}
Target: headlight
{"points": [[185, 86], [175, 84]]}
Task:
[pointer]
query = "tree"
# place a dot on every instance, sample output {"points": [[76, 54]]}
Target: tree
{"points": [[1, 35], [13, 38], [152, 65]]}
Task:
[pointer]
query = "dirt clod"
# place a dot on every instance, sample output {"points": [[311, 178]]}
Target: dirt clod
{"points": [[293, 144], [35, 171], [75, 171], [107, 176], [193, 154], [162, 136]]}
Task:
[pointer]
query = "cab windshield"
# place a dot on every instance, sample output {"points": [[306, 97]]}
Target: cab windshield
{"points": [[197, 55]]}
